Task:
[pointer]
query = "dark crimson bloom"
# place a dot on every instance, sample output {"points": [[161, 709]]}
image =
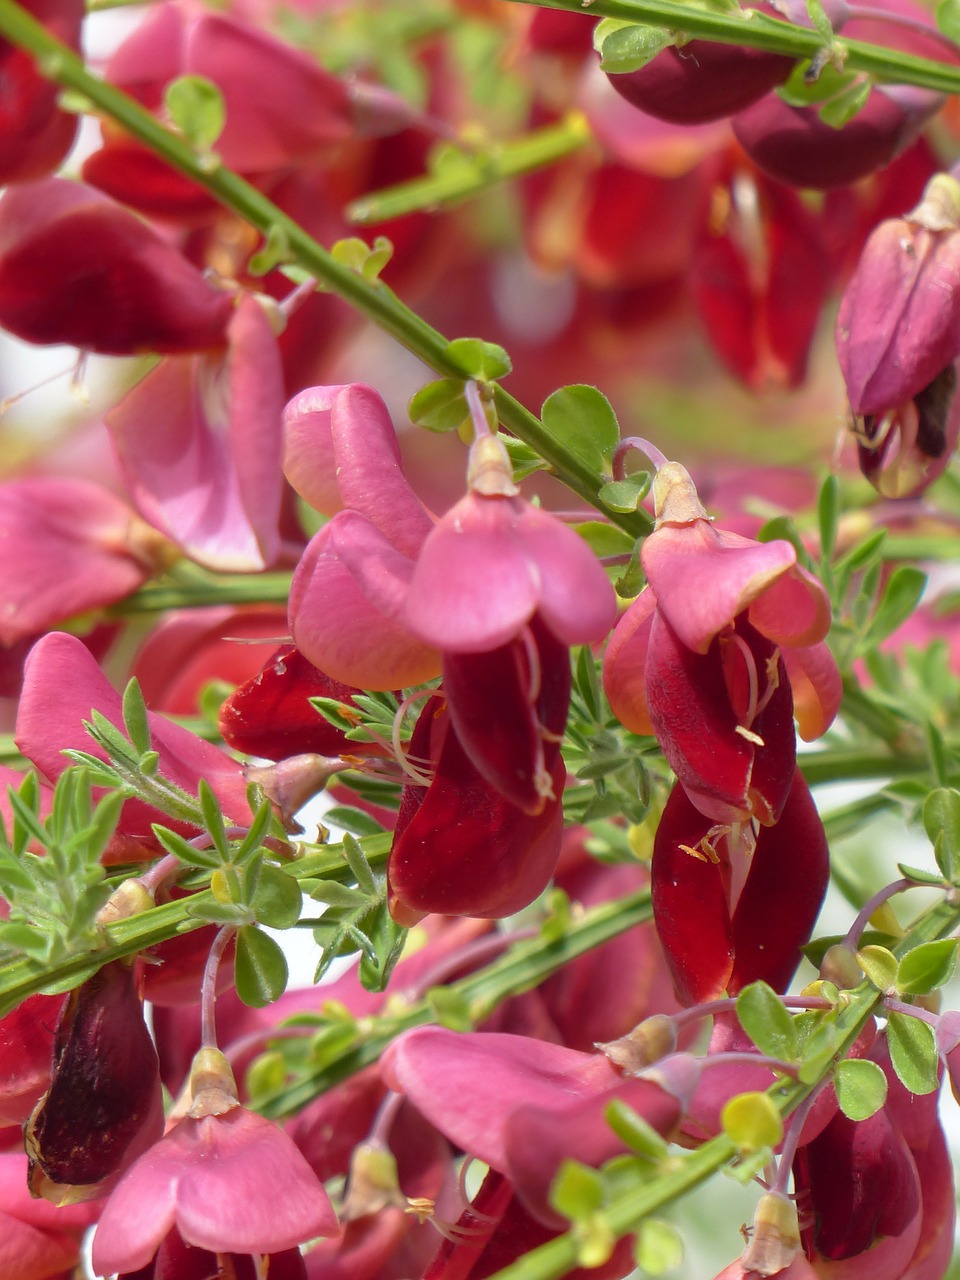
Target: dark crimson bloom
{"points": [[35, 135], [716, 655], [77, 268], [104, 1105], [702, 80], [897, 342], [461, 847], [270, 714], [794, 145], [732, 905], [760, 274], [521, 1105]]}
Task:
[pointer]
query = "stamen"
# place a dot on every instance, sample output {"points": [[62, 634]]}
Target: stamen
{"points": [[752, 683], [76, 370], [419, 779]]}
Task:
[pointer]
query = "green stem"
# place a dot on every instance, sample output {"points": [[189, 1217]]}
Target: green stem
{"points": [[475, 173], [260, 588], [625, 1211], [523, 967], [748, 27], [373, 300]]}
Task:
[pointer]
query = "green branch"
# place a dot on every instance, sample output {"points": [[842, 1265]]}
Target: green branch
{"points": [[748, 27], [626, 1211], [373, 300]]}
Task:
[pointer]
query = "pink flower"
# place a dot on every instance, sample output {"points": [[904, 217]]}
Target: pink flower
{"points": [[37, 1241], [77, 267], [198, 442], [229, 1183], [68, 546], [63, 684], [699, 658]]}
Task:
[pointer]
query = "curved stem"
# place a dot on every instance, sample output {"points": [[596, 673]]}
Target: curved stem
{"points": [[852, 938], [208, 989]]}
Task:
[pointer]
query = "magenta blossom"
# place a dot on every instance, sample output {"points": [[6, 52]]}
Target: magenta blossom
{"points": [[207, 1177], [69, 546], [700, 659], [198, 442], [62, 686]]}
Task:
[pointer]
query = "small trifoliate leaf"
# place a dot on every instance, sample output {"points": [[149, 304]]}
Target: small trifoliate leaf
{"points": [[879, 965], [766, 1021], [913, 1052], [948, 18], [577, 1191], [900, 597], [482, 361], [366, 260], [451, 1008], [440, 406], [627, 48], [277, 900], [861, 1088], [626, 494], [927, 967], [941, 821], [197, 108], [582, 419], [260, 967], [752, 1122], [841, 109], [658, 1247]]}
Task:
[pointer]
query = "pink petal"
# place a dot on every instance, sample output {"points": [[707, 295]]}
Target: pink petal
{"points": [[624, 665], [63, 684], [817, 688], [342, 451], [794, 610], [703, 577], [340, 623], [77, 267], [577, 602], [468, 1084], [228, 1161], [475, 584], [267, 129], [66, 548], [141, 1210], [198, 441]]}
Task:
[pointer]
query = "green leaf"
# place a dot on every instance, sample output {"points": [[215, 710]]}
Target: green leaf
{"points": [[828, 513], [386, 944], [900, 597], [752, 1122], [767, 1022], [135, 716], [861, 1088], [913, 1052], [582, 419], [357, 861], [658, 1247], [482, 361], [948, 19], [941, 821], [927, 967], [213, 818], [451, 1008], [356, 821], [605, 539], [821, 23], [197, 109], [274, 251], [920, 875], [842, 108], [277, 900], [626, 494], [261, 968], [627, 48], [182, 849], [440, 406], [880, 966], [577, 1192], [366, 260], [332, 894]]}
